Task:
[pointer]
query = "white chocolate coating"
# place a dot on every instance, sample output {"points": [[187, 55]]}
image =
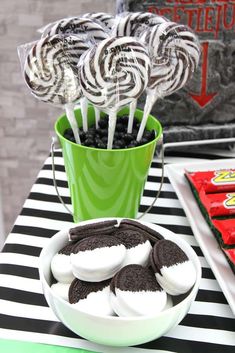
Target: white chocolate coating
{"points": [[177, 279], [61, 289], [96, 303], [138, 254], [61, 268], [141, 302], [98, 264], [118, 308]]}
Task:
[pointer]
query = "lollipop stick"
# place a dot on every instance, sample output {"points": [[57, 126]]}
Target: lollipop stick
{"points": [[84, 107], [69, 109], [131, 116], [150, 100], [112, 125], [97, 117]]}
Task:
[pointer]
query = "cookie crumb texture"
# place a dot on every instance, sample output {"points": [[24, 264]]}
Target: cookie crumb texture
{"points": [[136, 278], [168, 253], [80, 289]]}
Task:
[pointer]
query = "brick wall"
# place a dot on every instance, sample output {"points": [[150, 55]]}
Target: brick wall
{"points": [[26, 124]]}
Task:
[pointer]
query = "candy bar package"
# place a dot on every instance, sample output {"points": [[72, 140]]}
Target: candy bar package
{"points": [[214, 192], [213, 181], [205, 107]]}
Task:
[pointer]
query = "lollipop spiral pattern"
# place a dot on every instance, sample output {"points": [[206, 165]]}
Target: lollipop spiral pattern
{"points": [[105, 19], [82, 26], [115, 72], [133, 23], [50, 69], [175, 51]]}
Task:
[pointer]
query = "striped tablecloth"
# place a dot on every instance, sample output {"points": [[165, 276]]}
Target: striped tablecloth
{"points": [[24, 314]]}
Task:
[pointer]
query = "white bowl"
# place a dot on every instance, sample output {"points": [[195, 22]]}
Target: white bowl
{"points": [[112, 330]]}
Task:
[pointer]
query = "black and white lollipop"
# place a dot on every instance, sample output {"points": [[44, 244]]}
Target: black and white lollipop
{"points": [[50, 71], [133, 24], [112, 74], [107, 21], [84, 27], [91, 32], [174, 51]]}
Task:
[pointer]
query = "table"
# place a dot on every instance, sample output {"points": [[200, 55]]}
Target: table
{"points": [[26, 322]]}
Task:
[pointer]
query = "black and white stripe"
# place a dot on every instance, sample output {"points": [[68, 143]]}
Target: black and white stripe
{"points": [[134, 23], [84, 27], [106, 20], [115, 72], [50, 69], [175, 51], [24, 314]]}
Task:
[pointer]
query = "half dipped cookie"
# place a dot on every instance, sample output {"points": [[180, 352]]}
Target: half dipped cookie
{"points": [[173, 269], [135, 292], [97, 258]]}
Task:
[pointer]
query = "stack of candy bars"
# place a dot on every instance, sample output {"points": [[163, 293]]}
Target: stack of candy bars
{"points": [[124, 269], [215, 194]]}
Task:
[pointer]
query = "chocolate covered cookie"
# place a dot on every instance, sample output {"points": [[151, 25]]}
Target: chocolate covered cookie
{"points": [[97, 258], [61, 266], [91, 297], [138, 247], [98, 228], [135, 292], [173, 269]]}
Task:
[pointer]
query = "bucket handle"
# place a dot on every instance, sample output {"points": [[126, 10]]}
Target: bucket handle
{"points": [[55, 144]]}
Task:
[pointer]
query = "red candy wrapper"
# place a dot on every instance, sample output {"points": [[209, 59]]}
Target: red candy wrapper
{"points": [[213, 181], [230, 253], [218, 204], [225, 229]]}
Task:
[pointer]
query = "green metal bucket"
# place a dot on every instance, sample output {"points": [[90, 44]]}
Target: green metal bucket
{"points": [[106, 183]]}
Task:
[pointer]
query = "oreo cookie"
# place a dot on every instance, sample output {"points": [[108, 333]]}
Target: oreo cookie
{"points": [[173, 269], [60, 264], [149, 233], [97, 258], [91, 297], [88, 230], [135, 292], [138, 247]]}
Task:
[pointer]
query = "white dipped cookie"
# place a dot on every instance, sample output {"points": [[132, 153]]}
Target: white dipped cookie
{"points": [[135, 292], [173, 269], [91, 297], [97, 258]]}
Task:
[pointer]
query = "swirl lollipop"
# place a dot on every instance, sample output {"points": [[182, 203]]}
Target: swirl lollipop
{"points": [[106, 20], [174, 51], [50, 71], [90, 31], [84, 27], [112, 74], [133, 24]]}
